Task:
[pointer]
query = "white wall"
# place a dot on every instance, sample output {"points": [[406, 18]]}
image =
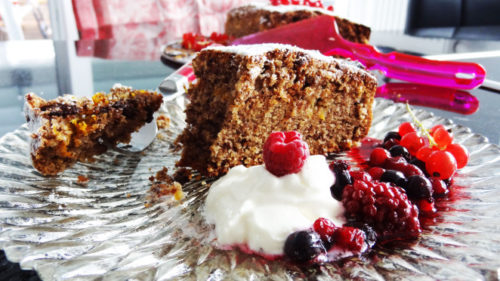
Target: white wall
{"points": [[379, 15]]}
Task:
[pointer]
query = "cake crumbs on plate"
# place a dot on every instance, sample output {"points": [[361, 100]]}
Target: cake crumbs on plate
{"points": [[163, 122], [183, 175], [82, 180], [163, 184]]}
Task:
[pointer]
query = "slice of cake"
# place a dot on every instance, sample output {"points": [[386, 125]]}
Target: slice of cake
{"points": [[69, 129], [245, 92], [257, 17]]}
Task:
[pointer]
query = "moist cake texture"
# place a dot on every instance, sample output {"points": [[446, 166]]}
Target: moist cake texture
{"points": [[245, 92], [69, 129], [257, 17]]}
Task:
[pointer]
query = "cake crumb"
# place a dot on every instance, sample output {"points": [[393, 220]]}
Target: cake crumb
{"points": [[163, 122], [162, 184], [183, 175], [82, 179]]}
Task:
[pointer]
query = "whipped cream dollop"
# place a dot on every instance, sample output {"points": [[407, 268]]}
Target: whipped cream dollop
{"points": [[252, 207]]}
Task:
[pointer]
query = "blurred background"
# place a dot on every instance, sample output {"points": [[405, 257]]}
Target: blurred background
{"points": [[53, 47]]}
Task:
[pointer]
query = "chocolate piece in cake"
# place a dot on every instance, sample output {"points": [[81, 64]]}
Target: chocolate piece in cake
{"points": [[257, 17], [245, 92], [69, 129]]}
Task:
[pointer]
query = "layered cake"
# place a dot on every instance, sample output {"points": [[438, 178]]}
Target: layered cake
{"points": [[245, 92], [69, 129], [257, 17]]}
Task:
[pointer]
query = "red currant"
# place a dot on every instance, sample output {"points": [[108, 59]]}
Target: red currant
{"points": [[439, 188], [413, 142], [441, 164], [433, 129], [378, 156], [442, 137], [423, 153], [460, 153], [405, 128], [426, 207]]}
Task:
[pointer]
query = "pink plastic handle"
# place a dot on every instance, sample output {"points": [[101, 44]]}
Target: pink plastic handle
{"points": [[430, 96], [450, 74]]}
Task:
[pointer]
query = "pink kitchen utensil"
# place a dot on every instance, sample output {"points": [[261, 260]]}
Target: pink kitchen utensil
{"points": [[454, 100], [320, 33]]}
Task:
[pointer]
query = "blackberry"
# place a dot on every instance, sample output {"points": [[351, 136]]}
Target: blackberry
{"points": [[384, 207], [303, 246]]}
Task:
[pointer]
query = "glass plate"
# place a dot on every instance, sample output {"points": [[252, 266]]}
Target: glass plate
{"points": [[103, 229]]}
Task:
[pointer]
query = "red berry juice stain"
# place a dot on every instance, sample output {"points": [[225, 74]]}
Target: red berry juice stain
{"points": [[361, 154], [245, 249]]}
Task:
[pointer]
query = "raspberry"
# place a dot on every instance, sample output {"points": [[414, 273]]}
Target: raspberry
{"points": [[285, 153], [384, 207], [370, 234], [349, 238], [325, 228]]}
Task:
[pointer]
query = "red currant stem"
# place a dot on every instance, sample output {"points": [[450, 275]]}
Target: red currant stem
{"points": [[423, 130]]}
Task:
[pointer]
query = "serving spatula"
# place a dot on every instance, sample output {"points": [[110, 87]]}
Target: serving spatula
{"points": [[320, 33]]}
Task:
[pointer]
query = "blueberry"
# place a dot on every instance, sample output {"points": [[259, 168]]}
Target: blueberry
{"points": [[419, 163], [392, 135], [339, 165], [399, 150], [342, 178], [395, 177], [302, 246], [390, 143], [419, 187]]}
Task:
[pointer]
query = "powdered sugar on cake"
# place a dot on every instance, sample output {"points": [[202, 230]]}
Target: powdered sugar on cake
{"points": [[261, 49]]}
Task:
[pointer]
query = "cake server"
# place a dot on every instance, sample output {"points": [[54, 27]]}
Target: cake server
{"points": [[320, 33]]}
